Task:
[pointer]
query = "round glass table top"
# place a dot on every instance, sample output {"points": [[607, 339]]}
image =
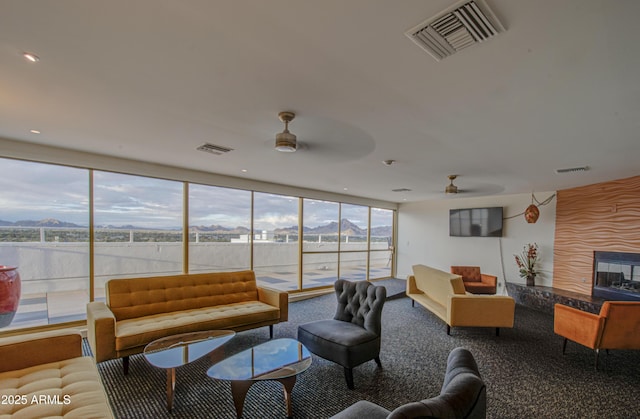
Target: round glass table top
{"points": [[272, 360], [177, 350]]}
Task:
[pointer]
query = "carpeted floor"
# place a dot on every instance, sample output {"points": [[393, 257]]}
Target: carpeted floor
{"points": [[524, 369]]}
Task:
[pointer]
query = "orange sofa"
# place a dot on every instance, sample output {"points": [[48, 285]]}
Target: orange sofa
{"points": [[474, 281], [617, 326], [141, 310], [45, 375]]}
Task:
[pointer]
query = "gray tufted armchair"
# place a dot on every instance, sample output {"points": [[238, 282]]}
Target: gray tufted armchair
{"points": [[352, 337], [463, 395]]}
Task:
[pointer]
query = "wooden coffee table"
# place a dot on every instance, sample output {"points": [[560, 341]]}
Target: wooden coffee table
{"points": [[177, 350], [278, 359]]}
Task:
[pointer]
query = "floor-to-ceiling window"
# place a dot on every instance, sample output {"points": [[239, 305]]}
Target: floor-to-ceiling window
{"points": [[137, 225], [346, 241], [69, 230], [320, 223], [354, 243], [219, 229], [381, 248], [275, 244], [44, 232]]}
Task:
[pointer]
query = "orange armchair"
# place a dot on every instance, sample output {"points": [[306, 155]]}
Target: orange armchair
{"points": [[474, 281], [616, 327]]}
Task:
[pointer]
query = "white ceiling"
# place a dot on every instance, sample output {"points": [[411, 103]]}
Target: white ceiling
{"points": [[154, 79]]}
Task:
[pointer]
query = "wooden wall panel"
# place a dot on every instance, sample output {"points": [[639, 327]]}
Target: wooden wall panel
{"points": [[604, 216]]}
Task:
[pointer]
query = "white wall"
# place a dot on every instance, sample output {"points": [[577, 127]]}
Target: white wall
{"points": [[423, 237]]}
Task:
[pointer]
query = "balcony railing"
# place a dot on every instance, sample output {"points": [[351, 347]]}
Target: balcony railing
{"points": [[54, 262]]}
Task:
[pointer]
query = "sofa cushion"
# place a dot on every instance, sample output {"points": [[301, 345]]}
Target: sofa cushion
{"points": [[479, 288], [339, 332], [341, 342], [434, 282], [67, 389], [139, 297], [137, 332], [25, 350]]}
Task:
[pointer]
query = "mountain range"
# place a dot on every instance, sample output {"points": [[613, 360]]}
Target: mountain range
{"points": [[47, 222], [346, 227]]}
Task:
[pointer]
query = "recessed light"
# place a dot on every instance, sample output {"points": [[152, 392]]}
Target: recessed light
{"points": [[34, 131], [30, 57], [244, 170], [345, 189]]}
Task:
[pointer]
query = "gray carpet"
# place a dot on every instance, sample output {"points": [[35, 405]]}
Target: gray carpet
{"points": [[525, 372]]}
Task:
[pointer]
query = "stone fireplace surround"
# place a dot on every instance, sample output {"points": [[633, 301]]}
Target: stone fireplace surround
{"points": [[544, 298]]}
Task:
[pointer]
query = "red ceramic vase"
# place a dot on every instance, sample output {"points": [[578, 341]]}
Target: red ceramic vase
{"points": [[9, 294]]}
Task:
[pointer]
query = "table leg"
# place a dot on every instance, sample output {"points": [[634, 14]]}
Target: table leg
{"points": [[171, 385], [217, 355], [239, 391], [287, 384]]}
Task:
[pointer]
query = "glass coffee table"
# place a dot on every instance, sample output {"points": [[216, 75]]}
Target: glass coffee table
{"points": [[278, 359], [177, 350]]}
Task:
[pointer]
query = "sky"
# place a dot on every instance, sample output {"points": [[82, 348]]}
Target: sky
{"points": [[36, 191]]}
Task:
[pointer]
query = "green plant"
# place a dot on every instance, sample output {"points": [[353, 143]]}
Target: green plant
{"points": [[527, 260]]}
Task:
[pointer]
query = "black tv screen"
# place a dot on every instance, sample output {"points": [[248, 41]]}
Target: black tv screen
{"points": [[475, 222]]}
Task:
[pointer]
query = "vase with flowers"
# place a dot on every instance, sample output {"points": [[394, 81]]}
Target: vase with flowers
{"points": [[526, 262]]}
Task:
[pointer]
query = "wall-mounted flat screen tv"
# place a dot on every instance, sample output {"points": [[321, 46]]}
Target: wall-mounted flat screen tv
{"points": [[475, 222]]}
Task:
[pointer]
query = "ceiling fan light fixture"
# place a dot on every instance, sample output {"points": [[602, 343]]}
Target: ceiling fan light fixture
{"points": [[286, 142]]}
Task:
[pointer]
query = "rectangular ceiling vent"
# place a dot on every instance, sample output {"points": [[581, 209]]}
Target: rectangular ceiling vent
{"points": [[214, 149], [572, 169], [464, 24]]}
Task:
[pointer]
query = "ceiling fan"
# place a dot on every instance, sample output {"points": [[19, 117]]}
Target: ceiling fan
{"points": [[286, 141], [474, 189], [451, 188]]}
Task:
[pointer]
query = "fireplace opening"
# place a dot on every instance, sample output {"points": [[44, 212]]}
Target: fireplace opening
{"points": [[616, 276]]}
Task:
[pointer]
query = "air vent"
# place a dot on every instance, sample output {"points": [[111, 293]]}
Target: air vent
{"points": [[572, 169], [464, 24], [214, 149], [401, 190]]}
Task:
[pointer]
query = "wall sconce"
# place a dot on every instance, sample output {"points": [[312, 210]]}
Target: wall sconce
{"points": [[532, 212]]}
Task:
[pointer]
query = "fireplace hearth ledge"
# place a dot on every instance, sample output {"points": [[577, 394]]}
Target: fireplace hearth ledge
{"points": [[544, 298]]}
